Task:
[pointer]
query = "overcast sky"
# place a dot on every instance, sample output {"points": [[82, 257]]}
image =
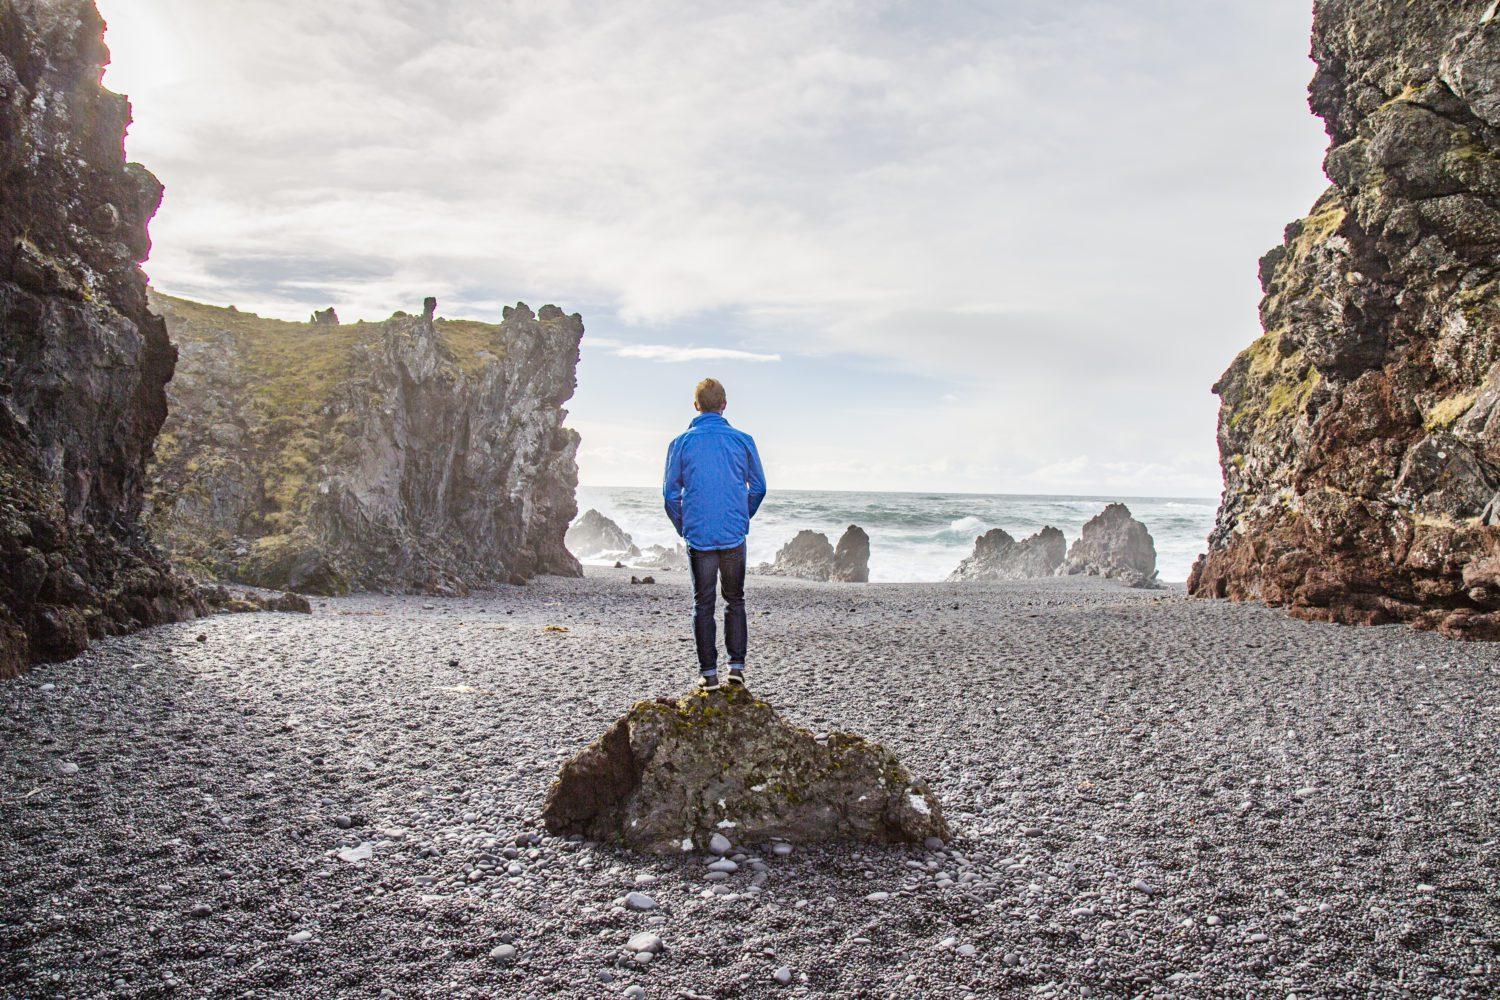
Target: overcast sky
{"points": [[927, 245]]}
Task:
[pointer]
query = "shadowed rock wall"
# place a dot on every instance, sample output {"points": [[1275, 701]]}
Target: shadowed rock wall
{"points": [[1360, 435], [82, 360]]}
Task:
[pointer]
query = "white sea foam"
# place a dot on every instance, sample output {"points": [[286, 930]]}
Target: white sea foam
{"points": [[919, 537]]}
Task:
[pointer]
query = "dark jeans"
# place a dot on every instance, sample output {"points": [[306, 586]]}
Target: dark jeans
{"points": [[726, 567]]}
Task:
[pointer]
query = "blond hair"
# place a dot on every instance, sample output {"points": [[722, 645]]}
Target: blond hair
{"points": [[710, 397]]}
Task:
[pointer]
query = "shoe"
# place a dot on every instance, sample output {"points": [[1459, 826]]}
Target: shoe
{"points": [[737, 677], [708, 682]]}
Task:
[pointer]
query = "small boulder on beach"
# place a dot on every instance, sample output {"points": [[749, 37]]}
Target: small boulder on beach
{"points": [[725, 765]]}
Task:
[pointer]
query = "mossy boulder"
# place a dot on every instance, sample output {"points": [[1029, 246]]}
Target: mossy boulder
{"points": [[673, 772]]}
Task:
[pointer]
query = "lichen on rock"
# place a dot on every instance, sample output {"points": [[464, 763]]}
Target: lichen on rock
{"points": [[725, 762], [1358, 437], [415, 454]]}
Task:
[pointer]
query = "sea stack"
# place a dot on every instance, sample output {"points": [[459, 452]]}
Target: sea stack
{"points": [[810, 556], [83, 362], [998, 556], [593, 534], [416, 454], [1113, 544], [851, 556], [1360, 435]]}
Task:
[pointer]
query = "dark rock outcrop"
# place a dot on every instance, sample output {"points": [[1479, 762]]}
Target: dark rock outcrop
{"points": [[998, 556], [82, 360], [810, 556], [670, 775], [1360, 436], [324, 317], [1115, 545], [593, 534], [417, 454], [851, 556]]}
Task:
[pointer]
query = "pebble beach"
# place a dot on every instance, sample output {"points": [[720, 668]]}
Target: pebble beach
{"points": [[1150, 795]]}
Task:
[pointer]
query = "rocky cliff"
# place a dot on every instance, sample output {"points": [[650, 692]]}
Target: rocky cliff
{"points": [[82, 360], [415, 454], [1360, 435]]}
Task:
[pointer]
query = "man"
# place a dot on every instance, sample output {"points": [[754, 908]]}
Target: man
{"points": [[713, 487]]}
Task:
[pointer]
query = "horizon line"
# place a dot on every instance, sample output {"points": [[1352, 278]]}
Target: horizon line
{"points": [[953, 493]]}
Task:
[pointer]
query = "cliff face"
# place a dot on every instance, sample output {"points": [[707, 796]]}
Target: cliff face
{"points": [[415, 454], [82, 360], [1360, 436]]}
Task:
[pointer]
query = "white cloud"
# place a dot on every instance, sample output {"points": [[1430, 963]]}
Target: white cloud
{"points": [[668, 353], [1055, 208]]}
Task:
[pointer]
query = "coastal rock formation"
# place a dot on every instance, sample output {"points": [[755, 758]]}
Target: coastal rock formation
{"points": [[851, 556], [1113, 544], [998, 556], [670, 775], [416, 454], [593, 534], [1360, 436], [82, 360], [661, 557], [810, 556]]}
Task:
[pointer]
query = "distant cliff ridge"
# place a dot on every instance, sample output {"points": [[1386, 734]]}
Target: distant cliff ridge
{"points": [[1360, 436], [82, 360], [417, 454]]}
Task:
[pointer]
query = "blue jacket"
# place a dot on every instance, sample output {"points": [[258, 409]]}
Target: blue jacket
{"points": [[714, 483]]}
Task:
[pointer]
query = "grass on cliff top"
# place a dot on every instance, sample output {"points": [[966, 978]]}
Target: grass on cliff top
{"points": [[292, 366], [470, 340], [297, 365], [291, 375]]}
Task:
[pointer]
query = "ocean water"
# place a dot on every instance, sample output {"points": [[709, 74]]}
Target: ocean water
{"points": [[921, 536]]}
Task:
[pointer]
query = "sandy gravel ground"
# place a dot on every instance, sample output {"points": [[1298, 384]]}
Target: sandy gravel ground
{"points": [[1153, 796]]}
